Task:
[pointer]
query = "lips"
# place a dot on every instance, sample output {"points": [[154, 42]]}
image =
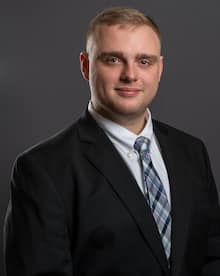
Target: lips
{"points": [[127, 91]]}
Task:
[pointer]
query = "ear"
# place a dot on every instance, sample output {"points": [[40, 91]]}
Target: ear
{"points": [[160, 67], [84, 65]]}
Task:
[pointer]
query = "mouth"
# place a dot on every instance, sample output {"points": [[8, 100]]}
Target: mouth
{"points": [[127, 91]]}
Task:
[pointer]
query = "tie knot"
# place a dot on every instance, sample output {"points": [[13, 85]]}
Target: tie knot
{"points": [[142, 144]]}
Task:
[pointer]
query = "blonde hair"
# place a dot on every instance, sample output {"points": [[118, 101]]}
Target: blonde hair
{"points": [[121, 16]]}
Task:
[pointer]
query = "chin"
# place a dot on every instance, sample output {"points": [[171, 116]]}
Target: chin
{"points": [[131, 108], [131, 112]]}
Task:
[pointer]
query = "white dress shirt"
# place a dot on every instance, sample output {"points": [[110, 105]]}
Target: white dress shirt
{"points": [[124, 140]]}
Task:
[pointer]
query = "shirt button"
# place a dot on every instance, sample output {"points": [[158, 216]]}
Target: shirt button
{"points": [[130, 154]]}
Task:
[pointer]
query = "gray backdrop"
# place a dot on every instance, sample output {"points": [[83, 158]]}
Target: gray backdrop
{"points": [[42, 91]]}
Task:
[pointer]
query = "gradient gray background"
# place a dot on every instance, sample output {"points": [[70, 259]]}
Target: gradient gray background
{"points": [[42, 91]]}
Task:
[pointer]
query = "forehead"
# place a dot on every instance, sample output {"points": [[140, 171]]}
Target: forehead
{"points": [[126, 38]]}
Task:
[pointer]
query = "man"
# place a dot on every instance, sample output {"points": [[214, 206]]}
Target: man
{"points": [[116, 193]]}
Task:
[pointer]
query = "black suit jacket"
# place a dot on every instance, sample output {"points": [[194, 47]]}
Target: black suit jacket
{"points": [[76, 209]]}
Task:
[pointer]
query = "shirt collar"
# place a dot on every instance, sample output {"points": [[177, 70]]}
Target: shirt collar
{"points": [[118, 134]]}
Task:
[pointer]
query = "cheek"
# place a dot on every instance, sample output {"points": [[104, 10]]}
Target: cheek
{"points": [[152, 79], [106, 78]]}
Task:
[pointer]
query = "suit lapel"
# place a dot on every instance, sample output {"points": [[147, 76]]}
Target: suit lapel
{"points": [[98, 149], [180, 187]]}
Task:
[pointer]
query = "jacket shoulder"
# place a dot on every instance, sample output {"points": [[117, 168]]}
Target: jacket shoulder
{"points": [[58, 146], [175, 133]]}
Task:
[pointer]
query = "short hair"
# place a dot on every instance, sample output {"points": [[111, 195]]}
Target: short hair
{"points": [[121, 16]]}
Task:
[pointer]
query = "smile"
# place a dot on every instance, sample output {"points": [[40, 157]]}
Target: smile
{"points": [[127, 91]]}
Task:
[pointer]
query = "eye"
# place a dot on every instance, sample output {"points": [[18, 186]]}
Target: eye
{"points": [[112, 60], [144, 61]]}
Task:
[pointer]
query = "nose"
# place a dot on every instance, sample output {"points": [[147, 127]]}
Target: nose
{"points": [[128, 73]]}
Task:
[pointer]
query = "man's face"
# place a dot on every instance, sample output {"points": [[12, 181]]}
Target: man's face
{"points": [[123, 67]]}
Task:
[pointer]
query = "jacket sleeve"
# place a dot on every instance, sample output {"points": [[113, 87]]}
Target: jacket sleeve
{"points": [[36, 238], [212, 262]]}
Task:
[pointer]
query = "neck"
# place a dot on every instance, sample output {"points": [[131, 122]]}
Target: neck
{"points": [[133, 123]]}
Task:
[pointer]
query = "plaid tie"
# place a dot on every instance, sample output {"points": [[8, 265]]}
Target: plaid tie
{"points": [[156, 195]]}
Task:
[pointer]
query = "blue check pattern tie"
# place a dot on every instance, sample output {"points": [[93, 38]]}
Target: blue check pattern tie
{"points": [[156, 196]]}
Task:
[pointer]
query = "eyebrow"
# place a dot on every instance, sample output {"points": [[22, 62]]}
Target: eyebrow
{"points": [[121, 55]]}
